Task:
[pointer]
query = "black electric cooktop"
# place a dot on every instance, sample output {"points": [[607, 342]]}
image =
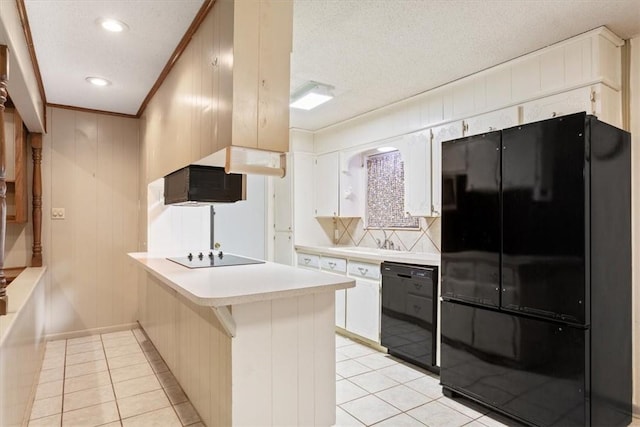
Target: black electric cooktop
{"points": [[211, 259]]}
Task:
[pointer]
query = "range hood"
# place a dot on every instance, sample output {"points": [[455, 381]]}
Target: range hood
{"points": [[197, 185]]}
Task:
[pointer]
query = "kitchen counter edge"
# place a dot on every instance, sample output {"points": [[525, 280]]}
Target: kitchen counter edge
{"points": [[420, 258], [232, 285]]}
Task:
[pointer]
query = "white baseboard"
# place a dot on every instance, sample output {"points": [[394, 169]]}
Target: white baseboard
{"points": [[93, 331]]}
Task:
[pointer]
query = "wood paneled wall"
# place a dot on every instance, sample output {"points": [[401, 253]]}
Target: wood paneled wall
{"points": [[194, 345], [178, 130], [91, 169]]}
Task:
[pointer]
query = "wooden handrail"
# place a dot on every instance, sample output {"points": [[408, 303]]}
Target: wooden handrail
{"points": [[36, 148], [4, 77]]}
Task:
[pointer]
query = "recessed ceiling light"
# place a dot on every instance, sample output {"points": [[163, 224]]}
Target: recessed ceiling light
{"points": [[98, 81], [112, 25], [311, 95]]}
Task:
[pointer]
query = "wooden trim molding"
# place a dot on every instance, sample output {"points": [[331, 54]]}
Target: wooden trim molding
{"points": [[4, 77], [36, 148], [202, 13], [26, 28], [90, 110]]}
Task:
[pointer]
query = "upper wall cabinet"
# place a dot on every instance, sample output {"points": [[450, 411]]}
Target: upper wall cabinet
{"points": [[416, 155], [327, 185], [16, 166], [226, 100], [340, 185], [352, 184], [440, 134]]}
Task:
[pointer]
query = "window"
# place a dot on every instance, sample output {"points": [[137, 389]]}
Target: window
{"points": [[385, 192]]}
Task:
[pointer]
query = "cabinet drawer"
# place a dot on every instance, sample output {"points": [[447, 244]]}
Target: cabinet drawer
{"points": [[308, 260], [337, 265], [364, 269]]}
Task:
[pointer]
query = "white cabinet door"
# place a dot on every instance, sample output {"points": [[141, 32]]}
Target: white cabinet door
{"points": [[352, 185], [326, 185], [282, 200], [363, 309], [495, 120], [283, 247], [440, 134], [573, 101], [341, 308], [416, 155]]}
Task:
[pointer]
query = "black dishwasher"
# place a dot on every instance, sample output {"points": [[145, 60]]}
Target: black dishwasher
{"points": [[409, 312]]}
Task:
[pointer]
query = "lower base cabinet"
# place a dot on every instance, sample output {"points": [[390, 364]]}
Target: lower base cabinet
{"points": [[363, 309], [341, 307]]}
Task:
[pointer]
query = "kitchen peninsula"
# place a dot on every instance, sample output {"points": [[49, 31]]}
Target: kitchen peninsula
{"points": [[249, 344]]}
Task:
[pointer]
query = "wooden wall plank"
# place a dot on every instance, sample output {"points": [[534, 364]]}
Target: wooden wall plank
{"points": [[91, 169], [284, 337]]}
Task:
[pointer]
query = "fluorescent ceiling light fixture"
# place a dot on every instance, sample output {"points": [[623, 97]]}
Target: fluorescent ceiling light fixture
{"points": [[386, 149], [112, 25], [98, 81], [311, 95]]}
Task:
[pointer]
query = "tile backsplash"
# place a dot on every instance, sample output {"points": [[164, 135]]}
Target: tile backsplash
{"points": [[351, 232]]}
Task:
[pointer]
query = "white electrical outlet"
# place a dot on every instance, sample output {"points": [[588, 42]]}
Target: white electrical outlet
{"points": [[57, 213]]}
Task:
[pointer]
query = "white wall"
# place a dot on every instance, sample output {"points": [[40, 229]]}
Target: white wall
{"points": [[241, 227], [582, 61], [175, 230]]}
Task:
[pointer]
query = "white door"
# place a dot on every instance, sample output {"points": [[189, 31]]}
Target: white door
{"points": [[326, 185], [416, 155], [282, 203], [283, 247], [440, 134], [363, 309]]}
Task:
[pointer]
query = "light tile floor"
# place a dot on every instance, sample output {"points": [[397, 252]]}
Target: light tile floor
{"points": [[119, 379], [376, 389], [373, 388], [115, 379]]}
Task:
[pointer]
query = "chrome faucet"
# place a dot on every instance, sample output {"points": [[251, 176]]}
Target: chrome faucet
{"points": [[386, 244]]}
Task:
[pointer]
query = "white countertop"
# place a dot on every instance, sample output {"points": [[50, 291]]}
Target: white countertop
{"points": [[230, 285], [373, 255], [19, 291]]}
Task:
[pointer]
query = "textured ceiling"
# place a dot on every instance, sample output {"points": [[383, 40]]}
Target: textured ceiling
{"points": [[374, 52], [70, 46], [378, 52]]}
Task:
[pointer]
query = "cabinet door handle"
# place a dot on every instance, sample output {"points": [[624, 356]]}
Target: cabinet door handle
{"points": [[363, 270], [332, 265], [416, 308], [307, 260], [418, 285]]}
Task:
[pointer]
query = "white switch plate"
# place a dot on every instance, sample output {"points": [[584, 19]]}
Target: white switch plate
{"points": [[57, 213]]}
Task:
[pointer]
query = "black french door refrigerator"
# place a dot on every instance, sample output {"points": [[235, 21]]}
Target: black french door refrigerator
{"points": [[536, 271]]}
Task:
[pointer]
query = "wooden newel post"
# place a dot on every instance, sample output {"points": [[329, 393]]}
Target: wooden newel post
{"points": [[36, 149], [4, 77]]}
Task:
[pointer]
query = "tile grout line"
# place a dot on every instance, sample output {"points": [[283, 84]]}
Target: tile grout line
{"points": [[399, 362], [113, 389], [64, 377], [162, 387]]}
